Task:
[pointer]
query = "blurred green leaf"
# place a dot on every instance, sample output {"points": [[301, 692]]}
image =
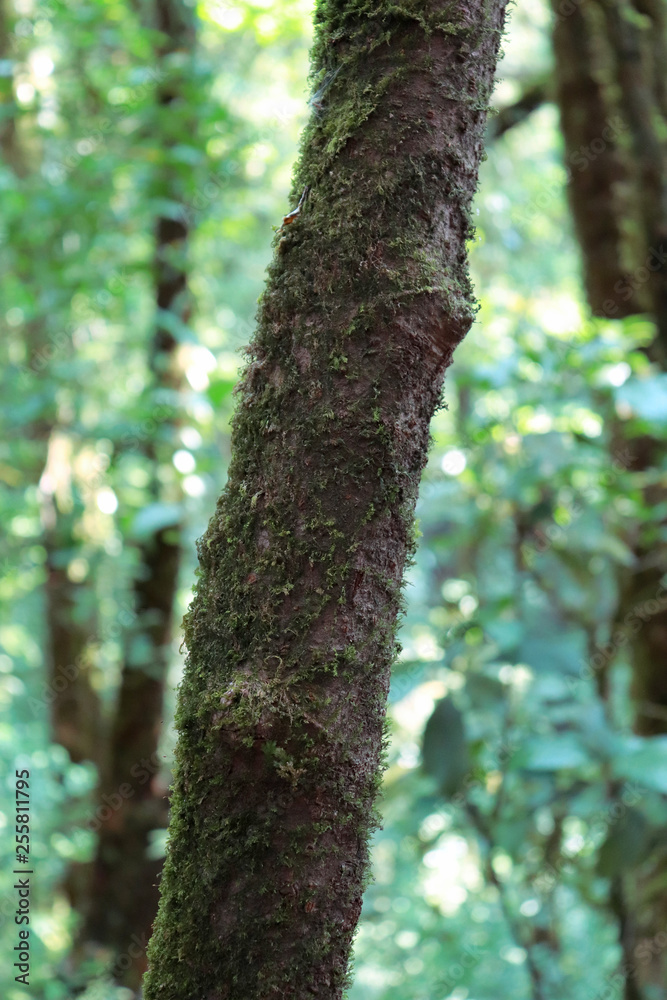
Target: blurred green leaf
{"points": [[556, 753], [644, 760], [444, 749], [155, 517], [627, 844]]}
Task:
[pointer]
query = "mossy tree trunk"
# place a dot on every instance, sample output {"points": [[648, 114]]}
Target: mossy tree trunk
{"points": [[291, 635]]}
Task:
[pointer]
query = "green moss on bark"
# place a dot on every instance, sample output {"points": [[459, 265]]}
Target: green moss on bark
{"points": [[291, 634]]}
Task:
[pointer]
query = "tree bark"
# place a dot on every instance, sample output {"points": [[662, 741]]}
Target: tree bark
{"points": [[601, 182], [642, 617], [630, 68], [291, 635], [74, 704], [642, 98]]}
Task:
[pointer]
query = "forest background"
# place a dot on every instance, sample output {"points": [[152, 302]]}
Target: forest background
{"points": [[145, 162]]}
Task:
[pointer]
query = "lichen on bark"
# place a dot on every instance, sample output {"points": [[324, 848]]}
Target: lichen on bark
{"points": [[291, 634]]}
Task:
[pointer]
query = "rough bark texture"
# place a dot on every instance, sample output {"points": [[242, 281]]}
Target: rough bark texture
{"points": [[123, 895], [291, 634]]}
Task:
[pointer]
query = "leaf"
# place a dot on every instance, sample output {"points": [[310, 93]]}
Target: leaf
{"points": [[219, 390], [444, 749], [560, 652], [551, 753], [154, 518], [485, 691], [626, 845], [647, 397], [644, 760], [187, 154]]}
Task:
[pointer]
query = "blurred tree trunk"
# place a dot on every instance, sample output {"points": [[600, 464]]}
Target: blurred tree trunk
{"points": [[123, 895], [599, 172], [534, 96], [69, 697], [639, 63], [609, 59], [70, 610], [642, 617], [10, 149], [639, 54], [291, 635], [610, 62]]}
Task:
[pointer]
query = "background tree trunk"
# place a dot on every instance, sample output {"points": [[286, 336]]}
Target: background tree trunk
{"points": [[600, 176], [71, 700], [123, 893], [76, 718], [610, 68], [292, 632]]}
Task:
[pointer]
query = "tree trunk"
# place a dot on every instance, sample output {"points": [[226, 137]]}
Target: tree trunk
{"points": [[642, 99], [600, 178], [601, 48], [291, 635], [68, 695], [642, 617], [70, 611], [613, 108]]}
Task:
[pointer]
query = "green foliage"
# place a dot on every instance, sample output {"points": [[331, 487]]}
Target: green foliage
{"points": [[534, 793], [82, 167], [445, 750]]}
